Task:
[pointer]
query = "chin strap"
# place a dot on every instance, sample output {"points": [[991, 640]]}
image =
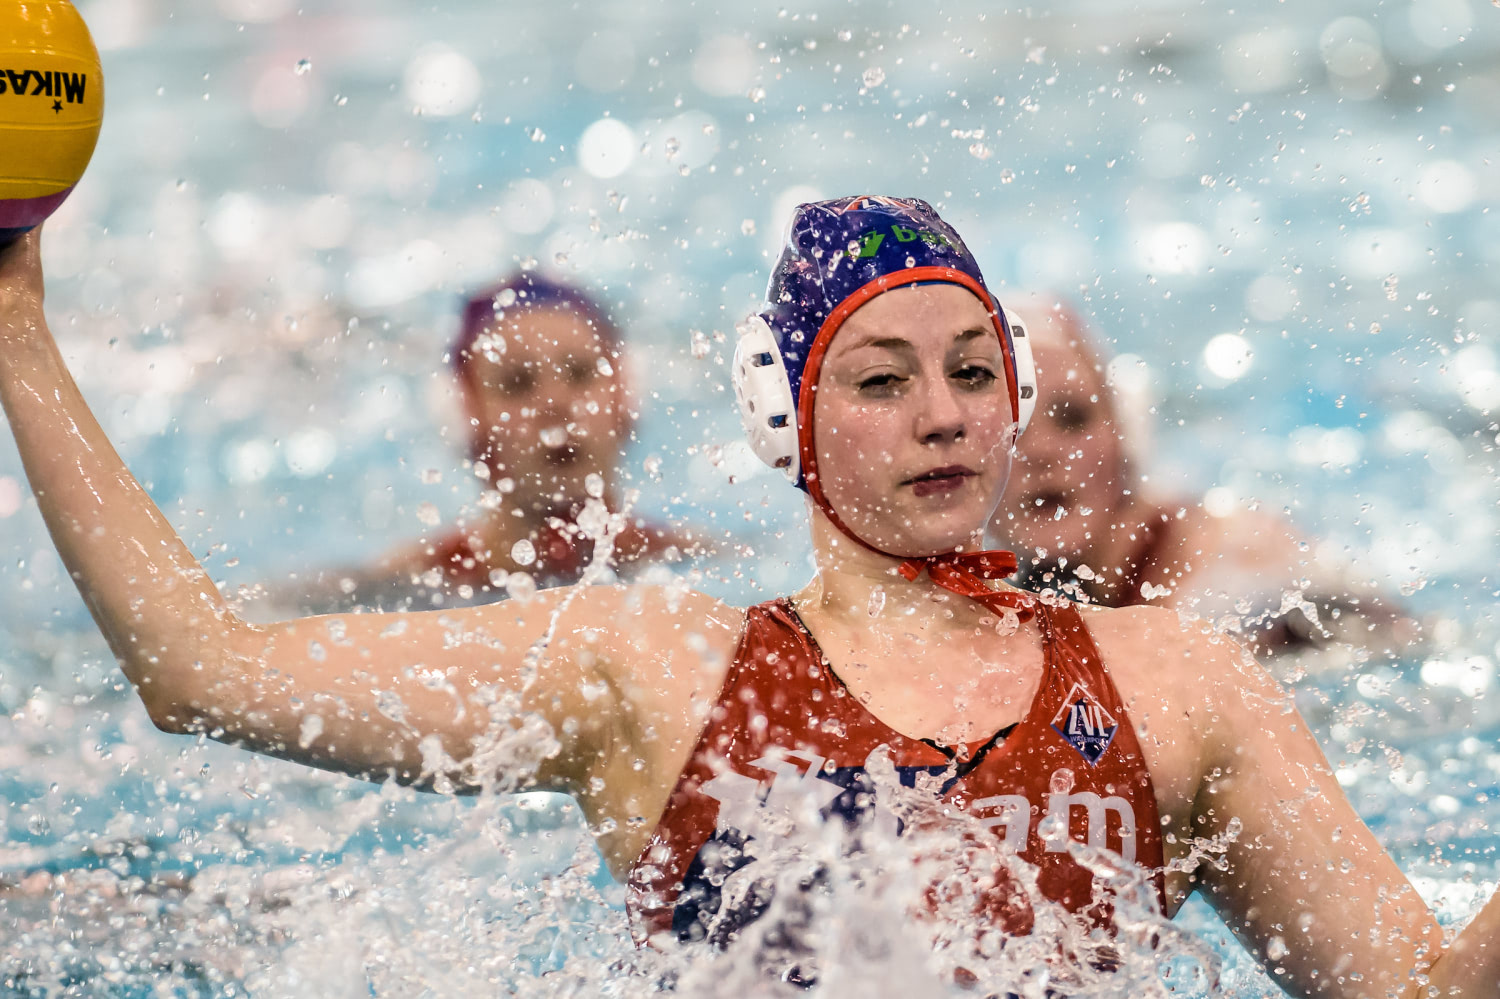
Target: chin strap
{"points": [[965, 574]]}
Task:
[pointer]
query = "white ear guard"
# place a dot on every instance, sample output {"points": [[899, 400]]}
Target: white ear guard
{"points": [[769, 413], [764, 393], [1020, 345]]}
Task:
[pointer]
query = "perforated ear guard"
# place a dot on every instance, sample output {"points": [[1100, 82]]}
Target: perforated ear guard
{"points": [[764, 394], [769, 413], [1020, 348]]}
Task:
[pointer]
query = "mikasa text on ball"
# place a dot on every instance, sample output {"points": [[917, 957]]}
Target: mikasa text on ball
{"points": [[51, 107]]}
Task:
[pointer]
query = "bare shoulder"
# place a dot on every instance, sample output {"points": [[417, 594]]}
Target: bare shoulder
{"points": [[1171, 651], [653, 660], [1157, 640], [657, 621], [656, 647], [1185, 686]]}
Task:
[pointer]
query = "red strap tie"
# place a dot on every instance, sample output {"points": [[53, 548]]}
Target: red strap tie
{"points": [[965, 574]]}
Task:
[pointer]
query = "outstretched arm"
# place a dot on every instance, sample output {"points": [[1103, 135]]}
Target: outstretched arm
{"points": [[449, 696], [1305, 884]]}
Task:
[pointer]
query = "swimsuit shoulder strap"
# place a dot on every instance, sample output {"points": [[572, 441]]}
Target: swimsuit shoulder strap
{"points": [[1069, 648]]}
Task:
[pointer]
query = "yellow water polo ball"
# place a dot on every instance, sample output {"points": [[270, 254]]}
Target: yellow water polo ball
{"points": [[51, 107]]}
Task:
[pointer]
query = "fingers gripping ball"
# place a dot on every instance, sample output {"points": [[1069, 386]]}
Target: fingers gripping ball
{"points": [[51, 107]]}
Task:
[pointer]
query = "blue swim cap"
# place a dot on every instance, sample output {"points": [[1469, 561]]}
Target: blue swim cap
{"points": [[839, 254]]}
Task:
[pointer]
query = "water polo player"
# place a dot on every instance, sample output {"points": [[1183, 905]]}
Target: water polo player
{"points": [[538, 367], [696, 736], [1084, 519]]}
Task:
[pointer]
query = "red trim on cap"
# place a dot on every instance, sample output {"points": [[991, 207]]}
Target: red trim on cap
{"points": [[819, 347]]}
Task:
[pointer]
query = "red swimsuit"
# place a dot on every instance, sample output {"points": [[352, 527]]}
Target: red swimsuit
{"points": [[562, 553], [784, 723]]}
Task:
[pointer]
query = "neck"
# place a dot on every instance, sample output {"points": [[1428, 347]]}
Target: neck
{"points": [[854, 583]]}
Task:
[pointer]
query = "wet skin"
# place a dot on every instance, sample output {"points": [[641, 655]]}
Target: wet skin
{"points": [[546, 407], [1071, 458], [630, 673]]}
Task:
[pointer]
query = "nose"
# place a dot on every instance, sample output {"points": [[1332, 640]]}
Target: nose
{"points": [[940, 417]]}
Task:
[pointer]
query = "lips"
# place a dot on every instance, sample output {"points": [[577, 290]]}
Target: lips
{"points": [[942, 480]]}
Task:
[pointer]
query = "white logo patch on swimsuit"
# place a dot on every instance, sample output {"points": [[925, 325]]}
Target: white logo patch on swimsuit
{"points": [[1085, 724]]}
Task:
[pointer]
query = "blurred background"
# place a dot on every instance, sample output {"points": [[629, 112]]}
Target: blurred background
{"points": [[1280, 216]]}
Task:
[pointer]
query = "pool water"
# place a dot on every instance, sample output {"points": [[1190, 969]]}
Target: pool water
{"points": [[1281, 216]]}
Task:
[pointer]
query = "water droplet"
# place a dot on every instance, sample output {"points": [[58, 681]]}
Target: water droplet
{"points": [[1007, 175], [1276, 948], [505, 299], [604, 367], [652, 465], [429, 515], [672, 147], [980, 151], [304, 66], [537, 135], [877, 601], [845, 34], [1390, 285], [747, 227], [873, 77], [553, 436], [700, 344], [310, 729], [523, 552], [756, 94], [593, 519], [520, 586], [593, 484], [432, 476]]}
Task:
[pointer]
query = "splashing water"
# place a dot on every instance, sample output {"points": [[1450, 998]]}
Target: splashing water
{"points": [[134, 864]]}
